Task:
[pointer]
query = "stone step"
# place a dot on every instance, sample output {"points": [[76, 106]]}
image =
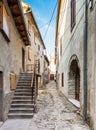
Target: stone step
{"points": [[23, 110], [23, 90], [22, 97], [23, 87], [22, 104], [24, 81], [21, 101], [16, 105], [22, 94], [25, 78], [20, 115], [26, 73]]}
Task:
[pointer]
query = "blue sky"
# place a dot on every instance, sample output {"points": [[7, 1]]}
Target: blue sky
{"points": [[42, 10]]}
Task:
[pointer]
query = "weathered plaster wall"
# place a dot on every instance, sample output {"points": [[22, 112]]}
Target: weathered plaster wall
{"points": [[72, 44], [92, 66], [10, 61]]}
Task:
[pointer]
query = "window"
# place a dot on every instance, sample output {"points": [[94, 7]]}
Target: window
{"points": [[62, 79], [4, 21], [42, 53], [38, 47], [61, 46], [73, 14], [29, 53]]}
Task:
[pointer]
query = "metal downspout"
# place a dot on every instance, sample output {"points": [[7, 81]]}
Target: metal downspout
{"points": [[85, 62]]}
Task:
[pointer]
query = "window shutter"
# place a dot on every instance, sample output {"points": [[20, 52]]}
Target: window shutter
{"points": [[73, 14], [61, 46], [62, 79]]}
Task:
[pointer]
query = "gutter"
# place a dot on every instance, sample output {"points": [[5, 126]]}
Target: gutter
{"points": [[85, 61]]}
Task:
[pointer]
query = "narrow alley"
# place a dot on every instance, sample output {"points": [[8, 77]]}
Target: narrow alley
{"points": [[54, 112]]}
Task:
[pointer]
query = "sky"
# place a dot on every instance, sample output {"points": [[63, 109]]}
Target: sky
{"points": [[42, 10]]}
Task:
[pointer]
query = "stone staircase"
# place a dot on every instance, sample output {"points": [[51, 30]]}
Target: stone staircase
{"points": [[22, 105]]}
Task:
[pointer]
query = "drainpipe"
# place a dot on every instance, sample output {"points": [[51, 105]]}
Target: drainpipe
{"points": [[85, 61]]}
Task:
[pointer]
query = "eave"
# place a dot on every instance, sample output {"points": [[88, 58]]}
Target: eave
{"points": [[17, 14]]}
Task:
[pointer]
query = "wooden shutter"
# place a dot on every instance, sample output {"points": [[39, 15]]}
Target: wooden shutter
{"points": [[62, 79], [12, 81], [29, 53], [61, 46], [73, 14]]}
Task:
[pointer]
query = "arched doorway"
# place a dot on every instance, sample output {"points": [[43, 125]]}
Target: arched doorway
{"points": [[74, 80]]}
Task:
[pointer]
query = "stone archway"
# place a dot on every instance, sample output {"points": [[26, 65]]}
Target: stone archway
{"points": [[74, 79]]}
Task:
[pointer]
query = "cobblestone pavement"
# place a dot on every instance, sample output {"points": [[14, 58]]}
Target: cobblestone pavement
{"points": [[54, 112]]}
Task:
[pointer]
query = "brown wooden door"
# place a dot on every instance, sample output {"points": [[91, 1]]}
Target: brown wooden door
{"points": [[77, 85], [62, 79], [23, 59]]}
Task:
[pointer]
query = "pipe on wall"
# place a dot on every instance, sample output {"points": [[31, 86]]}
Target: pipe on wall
{"points": [[85, 61]]}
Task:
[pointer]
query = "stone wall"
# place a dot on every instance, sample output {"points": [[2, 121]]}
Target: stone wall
{"points": [[72, 44], [91, 99], [10, 61]]}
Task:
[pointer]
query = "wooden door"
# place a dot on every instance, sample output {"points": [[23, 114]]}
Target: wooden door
{"points": [[23, 59]]}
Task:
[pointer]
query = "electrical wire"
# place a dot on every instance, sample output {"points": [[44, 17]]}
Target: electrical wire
{"points": [[50, 21], [67, 29], [47, 23], [78, 25]]}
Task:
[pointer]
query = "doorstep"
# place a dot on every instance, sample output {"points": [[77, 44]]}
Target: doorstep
{"points": [[1, 123], [75, 102]]}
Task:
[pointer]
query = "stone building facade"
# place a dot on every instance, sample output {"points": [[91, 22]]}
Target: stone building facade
{"points": [[36, 50], [46, 73], [91, 63], [75, 61], [12, 51]]}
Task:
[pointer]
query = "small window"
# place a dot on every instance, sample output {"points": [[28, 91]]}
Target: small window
{"points": [[42, 53], [61, 46], [73, 14], [29, 53], [62, 79], [38, 47]]}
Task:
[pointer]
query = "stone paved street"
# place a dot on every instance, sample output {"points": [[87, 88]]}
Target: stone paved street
{"points": [[54, 112]]}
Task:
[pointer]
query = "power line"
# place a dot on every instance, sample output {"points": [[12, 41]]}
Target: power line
{"points": [[47, 23], [50, 20], [76, 28], [75, 16]]}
